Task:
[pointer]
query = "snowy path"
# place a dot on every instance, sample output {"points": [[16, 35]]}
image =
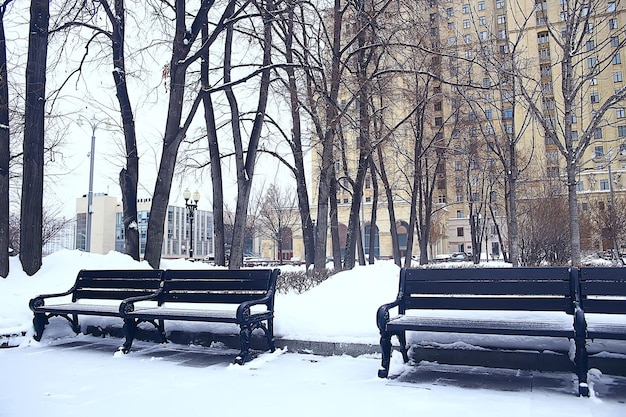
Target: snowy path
{"points": [[81, 376]]}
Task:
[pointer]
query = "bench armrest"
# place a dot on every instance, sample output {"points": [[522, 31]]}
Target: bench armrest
{"points": [[128, 305], [243, 310], [382, 315], [40, 301]]}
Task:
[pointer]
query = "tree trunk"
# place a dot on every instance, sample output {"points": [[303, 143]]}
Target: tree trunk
{"points": [[245, 165], [393, 230], [296, 147], [174, 131], [5, 153], [219, 246], [32, 183], [129, 176]]}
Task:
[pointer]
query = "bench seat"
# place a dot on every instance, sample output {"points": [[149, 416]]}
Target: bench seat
{"points": [[557, 326], [192, 314]]}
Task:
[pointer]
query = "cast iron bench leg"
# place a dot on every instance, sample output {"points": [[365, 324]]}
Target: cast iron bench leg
{"points": [[130, 325], [385, 345], [39, 322], [581, 366], [402, 339], [244, 340], [270, 334]]}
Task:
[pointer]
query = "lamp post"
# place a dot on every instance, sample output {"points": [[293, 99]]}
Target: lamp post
{"points": [[612, 207], [191, 202], [93, 123]]}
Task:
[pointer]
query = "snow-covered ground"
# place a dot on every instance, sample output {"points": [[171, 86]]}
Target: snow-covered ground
{"points": [[90, 379]]}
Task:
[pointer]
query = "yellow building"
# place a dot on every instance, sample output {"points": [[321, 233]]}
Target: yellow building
{"points": [[480, 43]]}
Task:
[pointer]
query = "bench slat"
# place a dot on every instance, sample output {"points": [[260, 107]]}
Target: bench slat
{"points": [[217, 284], [213, 297], [516, 274], [489, 287], [510, 303], [554, 327]]}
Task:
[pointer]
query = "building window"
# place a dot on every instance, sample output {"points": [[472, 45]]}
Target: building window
{"points": [[574, 135], [466, 23], [591, 62], [441, 199], [438, 121], [459, 232], [591, 45], [617, 59], [489, 114], [598, 151], [481, 5], [610, 6], [617, 76], [597, 133], [467, 38], [604, 185], [483, 35], [621, 131], [450, 12], [458, 166], [482, 20], [595, 97], [620, 112], [502, 34], [501, 19], [500, 4], [613, 23], [459, 214], [507, 113], [438, 106], [614, 41], [593, 80], [466, 9]]}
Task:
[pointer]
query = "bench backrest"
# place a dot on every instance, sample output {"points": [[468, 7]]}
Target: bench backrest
{"points": [[116, 284], [603, 290], [218, 285], [526, 289]]}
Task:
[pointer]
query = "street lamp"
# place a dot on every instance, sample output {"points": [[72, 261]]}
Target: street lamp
{"points": [[93, 123], [192, 204], [612, 207]]}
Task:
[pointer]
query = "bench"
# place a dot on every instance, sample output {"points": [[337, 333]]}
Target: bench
{"points": [[241, 297], [485, 301], [95, 293], [602, 296]]}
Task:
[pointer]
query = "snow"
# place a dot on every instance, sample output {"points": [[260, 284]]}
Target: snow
{"points": [[68, 375]]}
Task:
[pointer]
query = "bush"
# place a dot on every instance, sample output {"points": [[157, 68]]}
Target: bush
{"points": [[300, 281]]}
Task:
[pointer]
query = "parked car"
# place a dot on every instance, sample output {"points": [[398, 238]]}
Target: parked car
{"points": [[459, 257]]}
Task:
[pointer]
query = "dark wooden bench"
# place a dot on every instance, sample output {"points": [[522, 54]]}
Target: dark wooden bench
{"points": [[243, 297], [486, 291], [602, 293], [95, 293]]}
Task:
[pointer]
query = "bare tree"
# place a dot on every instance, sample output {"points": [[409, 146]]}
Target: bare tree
{"points": [[32, 183], [5, 150], [580, 57], [278, 216], [246, 161], [176, 125]]}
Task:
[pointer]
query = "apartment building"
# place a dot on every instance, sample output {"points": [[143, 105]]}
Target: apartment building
{"points": [[472, 107]]}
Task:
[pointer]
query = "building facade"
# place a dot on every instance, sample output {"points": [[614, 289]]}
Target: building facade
{"points": [[108, 228], [481, 63]]}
